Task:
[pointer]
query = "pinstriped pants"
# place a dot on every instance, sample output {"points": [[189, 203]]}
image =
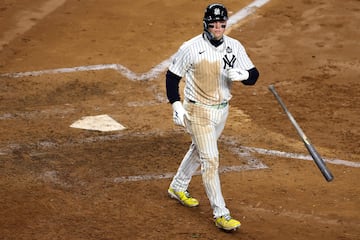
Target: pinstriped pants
{"points": [[205, 125]]}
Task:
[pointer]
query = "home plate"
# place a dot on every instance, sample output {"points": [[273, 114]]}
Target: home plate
{"points": [[102, 123]]}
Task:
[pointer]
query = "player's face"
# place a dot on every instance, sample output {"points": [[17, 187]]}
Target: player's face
{"points": [[217, 29]]}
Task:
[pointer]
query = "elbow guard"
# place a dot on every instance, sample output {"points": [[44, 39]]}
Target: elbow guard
{"points": [[172, 87], [253, 77]]}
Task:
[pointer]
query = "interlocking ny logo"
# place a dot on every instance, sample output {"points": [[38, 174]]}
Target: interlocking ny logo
{"points": [[228, 62]]}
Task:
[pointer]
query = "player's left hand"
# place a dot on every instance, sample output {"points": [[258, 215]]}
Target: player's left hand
{"points": [[238, 74], [179, 113]]}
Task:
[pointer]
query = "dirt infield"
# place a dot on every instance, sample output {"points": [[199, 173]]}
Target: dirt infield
{"points": [[58, 182]]}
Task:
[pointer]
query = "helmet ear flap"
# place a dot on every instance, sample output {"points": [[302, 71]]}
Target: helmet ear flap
{"points": [[205, 25]]}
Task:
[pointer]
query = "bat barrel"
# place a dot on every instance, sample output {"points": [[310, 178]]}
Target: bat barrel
{"points": [[319, 162]]}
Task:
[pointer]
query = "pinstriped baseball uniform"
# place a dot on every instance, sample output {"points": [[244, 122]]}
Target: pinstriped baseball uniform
{"points": [[206, 92]]}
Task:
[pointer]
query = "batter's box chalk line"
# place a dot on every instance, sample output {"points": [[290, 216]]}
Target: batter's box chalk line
{"points": [[154, 72], [252, 164], [242, 152]]}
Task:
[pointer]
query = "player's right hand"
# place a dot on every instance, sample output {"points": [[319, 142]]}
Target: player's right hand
{"points": [[238, 74], [179, 113]]}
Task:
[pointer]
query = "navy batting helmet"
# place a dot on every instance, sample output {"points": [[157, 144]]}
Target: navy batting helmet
{"points": [[215, 12]]}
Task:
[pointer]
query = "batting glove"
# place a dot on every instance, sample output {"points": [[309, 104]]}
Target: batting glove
{"points": [[179, 113], [237, 74]]}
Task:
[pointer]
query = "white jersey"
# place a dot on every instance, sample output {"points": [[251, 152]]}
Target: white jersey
{"points": [[205, 68]]}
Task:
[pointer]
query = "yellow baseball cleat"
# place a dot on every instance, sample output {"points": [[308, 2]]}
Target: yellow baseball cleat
{"points": [[183, 197], [227, 223]]}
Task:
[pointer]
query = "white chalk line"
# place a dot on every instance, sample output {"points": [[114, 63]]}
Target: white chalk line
{"points": [[36, 113], [243, 152], [252, 162], [223, 169], [153, 73], [301, 156]]}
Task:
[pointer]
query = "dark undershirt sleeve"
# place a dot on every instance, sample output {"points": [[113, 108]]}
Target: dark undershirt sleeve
{"points": [[172, 87], [253, 77]]}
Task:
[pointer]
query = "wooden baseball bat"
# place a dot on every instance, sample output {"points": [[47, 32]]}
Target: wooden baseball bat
{"points": [[309, 146]]}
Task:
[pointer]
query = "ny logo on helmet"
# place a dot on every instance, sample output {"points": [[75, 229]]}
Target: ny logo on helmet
{"points": [[217, 11]]}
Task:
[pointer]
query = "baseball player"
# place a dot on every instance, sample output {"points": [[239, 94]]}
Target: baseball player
{"points": [[210, 63]]}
